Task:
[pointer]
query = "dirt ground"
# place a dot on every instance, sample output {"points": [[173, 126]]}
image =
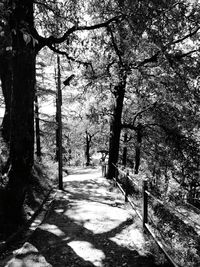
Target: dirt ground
{"points": [[88, 225]]}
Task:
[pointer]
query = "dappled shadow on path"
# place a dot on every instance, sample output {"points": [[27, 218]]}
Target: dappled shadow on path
{"points": [[85, 227], [66, 242]]}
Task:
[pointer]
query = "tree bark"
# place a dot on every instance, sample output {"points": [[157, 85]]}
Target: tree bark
{"points": [[22, 109], [6, 84], [59, 148], [87, 148], [115, 129], [57, 132], [124, 156], [138, 148], [37, 130]]}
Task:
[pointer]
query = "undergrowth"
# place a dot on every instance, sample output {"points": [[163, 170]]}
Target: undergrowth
{"points": [[179, 238], [42, 180]]}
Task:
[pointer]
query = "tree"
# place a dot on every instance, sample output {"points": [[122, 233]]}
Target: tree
{"points": [[155, 45], [22, 111], [167, 78], [5, 68], [26, 43], [37, 129]]}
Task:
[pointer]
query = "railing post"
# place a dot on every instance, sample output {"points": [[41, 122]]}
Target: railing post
{"points": [[145, 203], [126, 186], [103, 167], [105, 171]]}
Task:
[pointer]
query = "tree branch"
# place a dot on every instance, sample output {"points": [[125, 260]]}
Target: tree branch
{"points": [[58, 40], [128, 126], [70, 58], [154, 58], [186, 36], [144, 110], [115, 46], [109, 66]]}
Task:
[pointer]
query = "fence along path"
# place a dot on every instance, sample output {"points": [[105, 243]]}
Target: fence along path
{"points": [[144, 215]]}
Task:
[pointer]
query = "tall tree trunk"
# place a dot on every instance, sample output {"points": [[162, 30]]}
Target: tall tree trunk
{"points": [[57, 133], [115, 129], [59, 149], [138, 148], [87, 147], [124, 156], [22, 109], [37, 129], [6, 84]]}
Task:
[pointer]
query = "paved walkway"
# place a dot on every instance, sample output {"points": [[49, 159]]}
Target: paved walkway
{"points": [[87, 225]]}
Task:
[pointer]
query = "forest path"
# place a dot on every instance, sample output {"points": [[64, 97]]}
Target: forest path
{"points": [[88, 225]]}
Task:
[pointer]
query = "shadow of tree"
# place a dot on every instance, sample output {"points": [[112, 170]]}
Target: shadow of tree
{"points": [[58, 252], [66, 240]]}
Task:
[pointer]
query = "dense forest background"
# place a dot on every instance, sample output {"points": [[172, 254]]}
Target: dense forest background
{"points": [[129, 76]]}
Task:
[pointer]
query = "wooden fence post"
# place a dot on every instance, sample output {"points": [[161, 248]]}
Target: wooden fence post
{"points": [[145, 203], [105, 170], [103, 166], [126, 186]]}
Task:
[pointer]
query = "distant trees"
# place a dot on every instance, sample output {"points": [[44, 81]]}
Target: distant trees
{"points": [[93, 126]]}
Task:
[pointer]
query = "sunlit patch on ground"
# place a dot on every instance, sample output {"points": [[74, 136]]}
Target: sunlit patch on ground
{"points": [[35, 224], [52, 229], [59, 210], [85, 175], [88, 252], [132, 236], [27, 256], [97, 217]]}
